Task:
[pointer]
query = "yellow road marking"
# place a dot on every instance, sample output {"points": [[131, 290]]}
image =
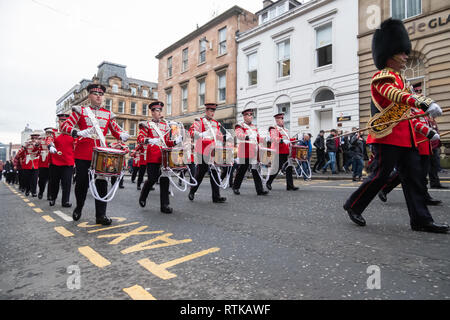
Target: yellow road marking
{"points": [[48, 218], [31, 204], [138, 293], [38, 210], [26, 200], [64, 232], [94, 257]]}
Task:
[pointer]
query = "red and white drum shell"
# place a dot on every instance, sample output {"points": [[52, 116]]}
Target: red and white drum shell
{"points": [[107, 161]]}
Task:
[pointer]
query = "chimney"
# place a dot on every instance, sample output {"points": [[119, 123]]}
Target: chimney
{"points": [[267, 3]]}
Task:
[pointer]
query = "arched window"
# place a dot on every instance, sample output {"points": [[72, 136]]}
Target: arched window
{"points": [[415, 73], [324, 95]]}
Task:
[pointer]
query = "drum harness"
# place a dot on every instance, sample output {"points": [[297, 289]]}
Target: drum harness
{"points": [[110, 195]]}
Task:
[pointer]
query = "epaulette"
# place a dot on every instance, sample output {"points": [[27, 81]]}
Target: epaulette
{"points": [[76, 109], [143, 124], [112, 116], [384, 74]]}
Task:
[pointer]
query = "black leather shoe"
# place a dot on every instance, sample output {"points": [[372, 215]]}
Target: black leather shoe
{"points": [[40, 196], [236, 192], [269, 186], [431, 227], [66, 205], [51, 203], [382, 196], [432, 202], [121, 187], [142, 202], [76, 214], [220, 200], [27, 193], [355, 217], [34, 195], [439, 187], [166, 209], [103, 220], [139, 187], [262, 193], [292, 189], [191, 196], [152, 189]]}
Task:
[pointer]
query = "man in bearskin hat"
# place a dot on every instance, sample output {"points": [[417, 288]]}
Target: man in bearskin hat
{"points": [[396, 144]]}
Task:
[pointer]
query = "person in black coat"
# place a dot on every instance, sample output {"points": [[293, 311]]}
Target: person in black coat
{"points": [[319, 143]]}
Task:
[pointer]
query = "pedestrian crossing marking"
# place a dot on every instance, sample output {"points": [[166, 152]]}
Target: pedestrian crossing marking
{"points": [[48, 218], [38, 210], [63, 216], [31, 204], [138, 293], [94, 257], [64, 232]]}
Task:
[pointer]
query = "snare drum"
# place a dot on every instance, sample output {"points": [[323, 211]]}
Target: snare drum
{"points": [[300, 153], [107, 161], [266, 156], [175, 158], [223, 157]]}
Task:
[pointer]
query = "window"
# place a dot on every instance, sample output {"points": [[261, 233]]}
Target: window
{"points": [[145, 93], [108, 104], [144, 109], [284, 107], [222, 87], [169, 67], [201, 92], [403, 9], [324, 95], [115, 88], [121, 107], [323, 46], [252, 69], [184, 98], [169, 102], [222, 41], [155, 95], [185, 59], [284, 61], [202, 51], [133, 91], [133, 126], [265, 17], [121, 124], [133, 108]]}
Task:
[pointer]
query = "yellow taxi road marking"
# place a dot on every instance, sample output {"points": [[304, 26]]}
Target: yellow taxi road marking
{"points": [[138, 293], [94, 257], [122, 236], [31, 204], [160, 270], [64, 232], [48, 218], [86, 225], [114, 227], [38, 210], [165, 238]]}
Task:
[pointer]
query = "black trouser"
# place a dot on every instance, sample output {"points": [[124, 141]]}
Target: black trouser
{"points": [[320, 162], [57, 175], [82, 185], [242, 170], [154, 171], [200, 174], [30, 180], [43, 179], [134, 173], [22, 179], [282, 159], [225, 171], [435, 160], [141, 174], [408, 162], [114, 179]]}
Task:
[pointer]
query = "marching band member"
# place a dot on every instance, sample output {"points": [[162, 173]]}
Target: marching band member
{"points": [[154, 133], [43, 166], [120, 146], [206, 133], [248, 140], [62, 159], [19, 161], [31, 164], [143, 161], [281, 142], [394, 144], [93, 122], [135, 155]]}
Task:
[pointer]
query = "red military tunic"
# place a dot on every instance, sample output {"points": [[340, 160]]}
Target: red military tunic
{"points": [[79, 117], [248, 139], [31, 156], [423, 133], [148, 130], [205, 145], [143, 160], [278, 133], [389, 90], [19, 159], [44, 154], [65, 144], [135, 154]]}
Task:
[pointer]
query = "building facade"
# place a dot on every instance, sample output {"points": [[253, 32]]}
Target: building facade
{"points": [[428, 68], [201, 67], [301, 60], [127, 97]]}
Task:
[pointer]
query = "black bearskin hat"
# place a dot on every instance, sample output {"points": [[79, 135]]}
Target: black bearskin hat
{"points": [[390, 39]]}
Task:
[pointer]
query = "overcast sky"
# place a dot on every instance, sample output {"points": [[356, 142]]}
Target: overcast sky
{"points": [[47, 46]]}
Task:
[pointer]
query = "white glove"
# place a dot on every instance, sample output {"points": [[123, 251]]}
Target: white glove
{"points": [[205, 134], [124, 136], [85, 133], [268, 139], [178, 139], [153, 141], [434, 110], [53, 149], [286, 141], [435, 137]]}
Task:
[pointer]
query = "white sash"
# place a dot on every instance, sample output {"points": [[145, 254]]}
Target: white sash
{"points": [[211, 129], [253, 138], [158, 132], [96, 126], [284, 131]]}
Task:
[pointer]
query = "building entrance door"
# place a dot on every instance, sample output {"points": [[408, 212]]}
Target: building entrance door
{"points": [[326, 120]]}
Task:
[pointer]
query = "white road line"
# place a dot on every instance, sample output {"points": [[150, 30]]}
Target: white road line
{"points": [[63, 216]]}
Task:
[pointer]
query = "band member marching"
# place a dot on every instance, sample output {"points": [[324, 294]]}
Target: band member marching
{"points": [[135, 154], [248, 140], [395, 144], [62, 159], [154, 133], [93, 122], [281, 142], [44, 162], [206, 134], [31, 163]]}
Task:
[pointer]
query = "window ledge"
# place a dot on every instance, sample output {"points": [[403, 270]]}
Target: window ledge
{"points": [[221, 55], [253, 86], [283, 78], [201, 63], [184, 71], [327, 67]]}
